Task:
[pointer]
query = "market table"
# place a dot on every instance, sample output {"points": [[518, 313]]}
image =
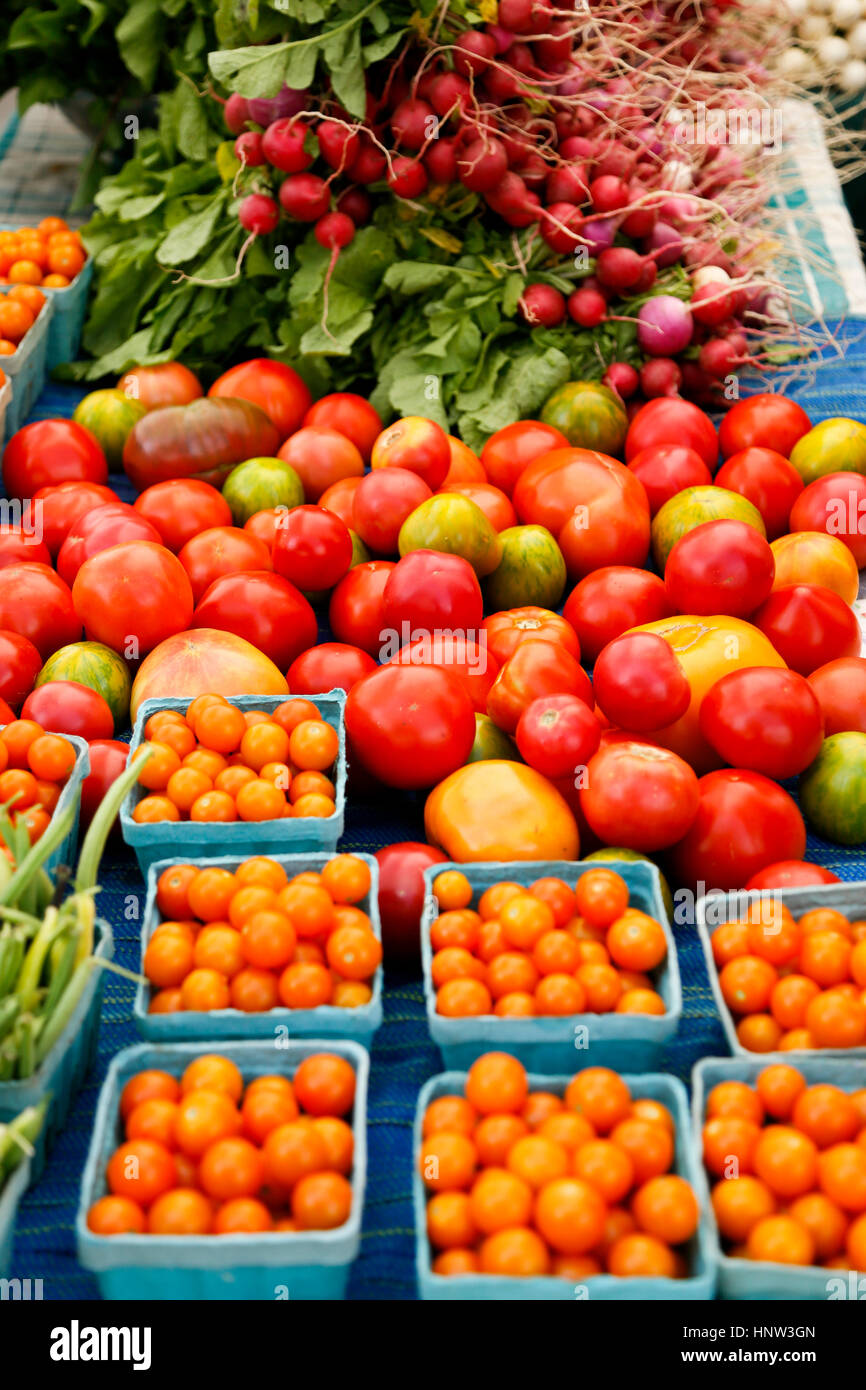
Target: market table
{"points": [[403, 1056]]}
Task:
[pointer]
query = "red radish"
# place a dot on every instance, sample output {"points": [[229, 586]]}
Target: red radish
{"points": [[710, 304], [587, 307], [515, 15], [236, 113], [615, 161], [533, 170], [473, 52], [513, 201], [608, 194], [502, 38], [440, 160], [647, 276], [248, 149], [619, 268], [542, 305], [338, 145], [555, 47], [641, 221], [576, 147], [334, 231], [502, 86], [305, 197], [621, 378], [369, 165], [283, 145], [258, 213], [567, 185], [664, 326], [561, 226], [660, 377], [413, 123], [407, 177], [450, 94], [355, 203], [666, 244], [288, 102], [718, 357], [482, 164]]}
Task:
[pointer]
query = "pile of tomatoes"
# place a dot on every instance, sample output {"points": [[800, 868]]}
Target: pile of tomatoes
{"points": [[789, 1163], [790, 984], [34, 767], [528, 1183], [213, 1154], [254, 939], [219, 763], [546, 949]]}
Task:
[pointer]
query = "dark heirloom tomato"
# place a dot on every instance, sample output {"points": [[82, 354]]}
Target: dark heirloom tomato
{"points": [[513, 448], [768, 481], [790, 873], [17, 546], [265, 609], [111, 524], [350, 415], [460, 653], [610, 601], [35, 603], [765, 421], [410, 726], [809, 626], [330, 666], [841, 690], [312, 548], [670, 420], [221, 550], [132, 597], [49, 452], [20, 664], [720, 566], [182, 507], [205, 440], [765, 719], [638, 795], [107, 760], [53, 511], [429, 590], [68, 707], [536, 668], [639, 683], [513, 626], [272, 386], [168, 383], [357, 605], [401, 895], [743, 823]]}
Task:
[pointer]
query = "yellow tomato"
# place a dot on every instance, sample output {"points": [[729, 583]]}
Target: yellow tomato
{"points": [[813, 557], [499, 810]]}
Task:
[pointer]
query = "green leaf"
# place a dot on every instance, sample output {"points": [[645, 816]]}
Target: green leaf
{"points": [[417, 277], [191, 122], [191, 235], [139, 38], [261, 72]]}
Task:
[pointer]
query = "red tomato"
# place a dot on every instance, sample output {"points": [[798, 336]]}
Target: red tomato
{"points": [[382, 503], [356, 611], [465, 466], [506, 631], [809, 626], [36, 604], [763, 718], [429, 590], [765, 421], [513, 448], [68, 707], [321, 457], [107, 760], [313, 548], [790, 873], [670, 420], [557, 735], [401, 896], [639, 796], [330, 666], [7, 714], [612, 600], [265, 609], [494, 503], [340, 499], [17, 546], [20, 664], [720, 567], [417, 444], [768, 481], [263, 525], [350, 415], [665, 469], [111, 524], [841, 690], [275, 387], [836, 504], [462, 654], [743, 823], [639, 683], [53, 511], [168, 383], [182, 507], [410, 726], [48, 452], [536, 668], [132, 597], [221, 550]]}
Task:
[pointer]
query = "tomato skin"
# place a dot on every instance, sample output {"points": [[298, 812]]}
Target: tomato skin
{"points": [[17, 547], [612, 600], [765, 421], [841, 690], [638, 683], [809, 626], [274, 387], [357, 607], [330, 666], [468, 659], [68, 707], [417, 444], [340, 499], [670, 420], [410, 725], [513, 626], [59, 508], [180, 508], [401, 896], [513, 448], [107, 761], [494, 503], [20, 664], [313, 548], [428, 589], [219, 551], [321, 457], [764, 719], [639, 796], [135, 591], [768, 481], [349, 415], [36, 604], [836, 504], [205, 661], [49, 452], [536, 668], [719, 567], [465, 467], [743, 823], [262, 607], [168, 383], [557, 734], [112, 524], [500, 810], [382, 503], [205, 439], [790, 873], [665, 469]]}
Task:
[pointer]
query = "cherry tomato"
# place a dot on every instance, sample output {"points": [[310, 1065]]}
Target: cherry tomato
{"points": [[36, 604], [313, 548], [744, 822], [410, 725], [841, 690], [536, 668], [763, 718], [107, 761], [20, 664], [670, 420], [401, 895], [557, 735], [330, 666], [350, 415], [356, 610], [639, 683], [428, 590], [53, 511], [132, 597], [809, 626], [665, 469], [720, 567], [220, 551], [768, 481], [180, 508], [49, 452], [765, 421], [274, 386], [68, 707], [265, 609], [98, 529], [612, 600], [513, 448], [381, 503], [623, 780]]}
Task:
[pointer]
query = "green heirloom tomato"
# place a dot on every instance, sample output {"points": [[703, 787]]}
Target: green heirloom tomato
{"points": [[530, 573], [833, 789], [834, 446], [261, 483], [589, 415], [455, 526]]}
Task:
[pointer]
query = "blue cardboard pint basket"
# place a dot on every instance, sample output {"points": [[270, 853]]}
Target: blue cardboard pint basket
{"points": [[199, 841], [63, 1071], [716, 908], [67, 321], [10, 1195], [268, 1265], [326, 1021], [759, 1279], [629, 1042], [26, 368], [70, 795], [698, 1285]]}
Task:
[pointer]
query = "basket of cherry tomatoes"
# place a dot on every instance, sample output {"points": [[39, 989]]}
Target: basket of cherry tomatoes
{"points": [[52, 258], [40, 778]]}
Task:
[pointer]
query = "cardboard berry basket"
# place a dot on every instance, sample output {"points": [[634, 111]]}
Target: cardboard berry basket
{"points": [[26, 369]]}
